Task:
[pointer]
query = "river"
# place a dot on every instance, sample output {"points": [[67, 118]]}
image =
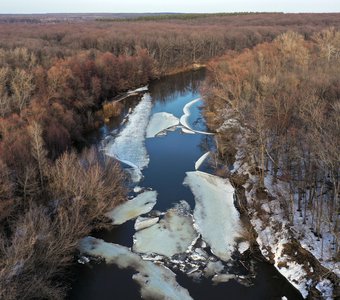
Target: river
{"points": [[170, 157]]}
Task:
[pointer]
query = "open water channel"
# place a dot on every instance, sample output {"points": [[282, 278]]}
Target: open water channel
{"points": [[170, 156]]}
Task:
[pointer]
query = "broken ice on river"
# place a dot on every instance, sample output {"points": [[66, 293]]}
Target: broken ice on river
{"points": [[201, 160], [160, 122], [215, 215], [130, 209], [156, 282], [184, 120], [129, 145], [172, 235]]}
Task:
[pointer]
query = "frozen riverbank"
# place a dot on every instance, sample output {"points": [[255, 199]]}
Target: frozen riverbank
{"points": [[281, 242]]}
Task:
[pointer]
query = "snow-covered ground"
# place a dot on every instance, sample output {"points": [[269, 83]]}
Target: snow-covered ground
{"points": [[271, 242], [159, 122], [322, 249], [141, 204], [215, 215], [129, 145], [172, 235], [275, 232], [156, 282], [326, 289]]}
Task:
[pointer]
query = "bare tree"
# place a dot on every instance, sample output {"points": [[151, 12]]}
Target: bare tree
{"points": [[22, 87], [38, 150]]}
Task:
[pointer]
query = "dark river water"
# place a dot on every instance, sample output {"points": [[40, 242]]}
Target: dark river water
{"points": [[170, 157]]}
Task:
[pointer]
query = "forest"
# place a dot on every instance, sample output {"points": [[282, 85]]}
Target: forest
{"points": [[286, 93], [55, 77]]}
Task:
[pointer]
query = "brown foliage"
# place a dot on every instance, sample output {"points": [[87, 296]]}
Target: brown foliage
{"points": [[112, 109], [33, 259], [287, 94], [96, 181]]}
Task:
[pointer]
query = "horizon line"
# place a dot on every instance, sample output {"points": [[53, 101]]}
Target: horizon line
{"points": [[170, 12]]}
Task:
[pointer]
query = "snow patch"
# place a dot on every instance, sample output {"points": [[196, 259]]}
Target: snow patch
{"points": [[228, 124], [295, 273], [215, 215], [172, 235], [141, 204], [326, 289], [272, 241], [157, 282], [160, 122]]}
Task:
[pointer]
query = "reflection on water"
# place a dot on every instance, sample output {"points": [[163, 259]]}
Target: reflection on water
{"points": [[170, 157], [170, 88]]}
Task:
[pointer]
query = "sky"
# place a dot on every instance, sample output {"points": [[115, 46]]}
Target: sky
{"points": [[128, 6]]}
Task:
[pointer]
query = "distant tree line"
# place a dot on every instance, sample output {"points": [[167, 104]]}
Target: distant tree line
{"points": [[179, 16]]}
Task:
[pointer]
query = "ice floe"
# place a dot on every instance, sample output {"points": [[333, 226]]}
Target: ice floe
{"points": [[83, 260], [172, 235], [142, 223], [141, 89], [218, 278], [186, 130], [137, 189], [160, 122], [186, 110], [141, 204], [128, 146], [215, 215], [213, 267], [201, 160], [135, 173], [165, 243], [156, 282], [185, 117], [243, 247]]}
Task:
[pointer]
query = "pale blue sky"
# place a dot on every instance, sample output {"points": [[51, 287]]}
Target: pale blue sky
{"points": [[115, 6]]}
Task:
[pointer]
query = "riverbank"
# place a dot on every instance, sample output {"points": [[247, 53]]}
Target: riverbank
{"points": [[192, 67], [265, 208]]}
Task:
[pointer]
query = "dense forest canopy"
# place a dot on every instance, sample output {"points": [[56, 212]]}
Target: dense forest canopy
{"points": [[55, 76]]}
